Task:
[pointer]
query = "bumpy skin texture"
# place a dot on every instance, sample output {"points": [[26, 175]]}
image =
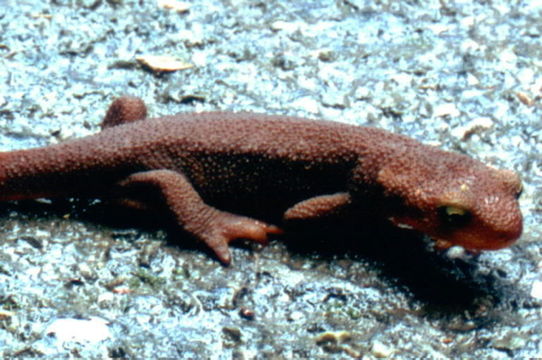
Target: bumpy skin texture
{"points": [[197, 165]]}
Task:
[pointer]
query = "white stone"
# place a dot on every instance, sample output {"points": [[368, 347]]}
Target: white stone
{"points": [[93, 330], [536, 289], [381, 350], [447, 109]]}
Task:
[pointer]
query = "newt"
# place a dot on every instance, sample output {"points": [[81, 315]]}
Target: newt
{"points": [[215, 172]]}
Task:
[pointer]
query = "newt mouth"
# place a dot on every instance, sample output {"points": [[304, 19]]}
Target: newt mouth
{"points": [[475, 245]]}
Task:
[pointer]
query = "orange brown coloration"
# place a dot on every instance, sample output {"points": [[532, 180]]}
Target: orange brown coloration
{"points": [[200, 165]]}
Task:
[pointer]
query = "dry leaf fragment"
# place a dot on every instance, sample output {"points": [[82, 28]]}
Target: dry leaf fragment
{"points": [[4, 314], [163, 63], [178, 6], [475, 126], [524, 98], [122, 291]]}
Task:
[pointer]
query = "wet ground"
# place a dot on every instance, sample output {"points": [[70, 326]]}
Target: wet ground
{"points": [[78, 279]]}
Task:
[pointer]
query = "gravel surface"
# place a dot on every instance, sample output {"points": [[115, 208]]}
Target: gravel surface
{"points": [[79, 280]]}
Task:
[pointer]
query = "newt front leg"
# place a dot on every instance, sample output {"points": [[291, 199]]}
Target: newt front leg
{"points": [[318, 206]]}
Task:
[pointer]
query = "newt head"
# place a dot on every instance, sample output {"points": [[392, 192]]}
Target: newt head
{"points": [[455, 200]]}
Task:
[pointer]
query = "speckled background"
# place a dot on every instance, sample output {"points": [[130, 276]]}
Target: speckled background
{"points": [[78, 280]]}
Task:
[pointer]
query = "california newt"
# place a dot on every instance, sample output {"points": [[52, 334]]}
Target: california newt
{"points": [[198, 165]]}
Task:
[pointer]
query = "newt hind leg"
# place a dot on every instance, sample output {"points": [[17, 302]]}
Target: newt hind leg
{"points": [[214, 227]]}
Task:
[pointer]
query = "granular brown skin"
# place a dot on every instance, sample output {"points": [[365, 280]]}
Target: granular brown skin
{"points": [[200, 165]]}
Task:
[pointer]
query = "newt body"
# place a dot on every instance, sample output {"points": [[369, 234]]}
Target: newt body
{"points": [[197, 165]]}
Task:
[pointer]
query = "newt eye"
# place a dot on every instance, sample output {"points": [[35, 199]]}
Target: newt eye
{"points": [[454, 216]]}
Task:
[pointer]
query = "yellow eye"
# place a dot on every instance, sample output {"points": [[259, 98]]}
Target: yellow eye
{"points": [[454, 215]]}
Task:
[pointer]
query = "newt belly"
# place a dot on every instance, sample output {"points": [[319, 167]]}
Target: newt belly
{"points": [[296, 168]]}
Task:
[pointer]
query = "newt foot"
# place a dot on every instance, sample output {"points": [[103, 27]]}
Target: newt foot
{"points": [[226, 227]]}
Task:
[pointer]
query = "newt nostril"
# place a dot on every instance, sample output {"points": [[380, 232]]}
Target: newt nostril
{"points": [[519, 191], [512, 181]]}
